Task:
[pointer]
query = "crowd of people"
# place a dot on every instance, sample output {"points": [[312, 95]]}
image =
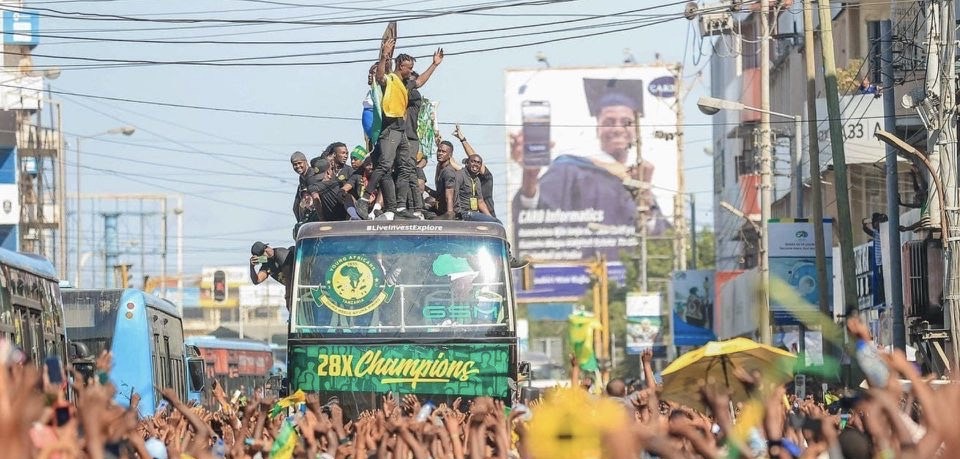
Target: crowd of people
{"points": [[903, 417]]}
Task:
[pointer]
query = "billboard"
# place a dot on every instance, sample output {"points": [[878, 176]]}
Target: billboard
{"points": [[572, 158], [691, 300], [564, 283], [21, 28], [792, 256], [646, 327]]}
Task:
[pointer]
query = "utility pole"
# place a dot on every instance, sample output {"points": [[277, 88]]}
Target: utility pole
{"points": [[680, 222], [765, 181], [641, 211], [895, 295], [941, 143], [844, 224], [813, 147], [693, 231]]}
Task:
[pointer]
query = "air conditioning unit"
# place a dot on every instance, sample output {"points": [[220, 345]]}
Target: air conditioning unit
{"points": [[923, 274]]}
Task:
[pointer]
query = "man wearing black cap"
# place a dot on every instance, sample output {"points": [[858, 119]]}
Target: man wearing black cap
{"points": [[574, 182], [276, 263]]}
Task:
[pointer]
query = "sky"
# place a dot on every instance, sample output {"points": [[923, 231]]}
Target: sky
{"points": [[222, 134]]}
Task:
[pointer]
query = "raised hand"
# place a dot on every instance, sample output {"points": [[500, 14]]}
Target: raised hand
{"points": [[438, 56]]}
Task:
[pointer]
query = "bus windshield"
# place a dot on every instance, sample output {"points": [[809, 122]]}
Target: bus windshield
{"points": [[404, 285]]}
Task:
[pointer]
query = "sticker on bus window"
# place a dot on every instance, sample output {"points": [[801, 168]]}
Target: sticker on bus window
{"points": [[353, 286]]}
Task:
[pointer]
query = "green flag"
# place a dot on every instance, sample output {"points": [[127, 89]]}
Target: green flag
{"points": [[581, 328]]}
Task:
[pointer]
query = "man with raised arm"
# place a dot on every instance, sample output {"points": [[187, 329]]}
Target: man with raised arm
{"points": [[393, 143]]}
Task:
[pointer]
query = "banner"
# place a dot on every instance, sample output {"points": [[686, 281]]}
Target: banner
{"points": [[572, 158], [646, 327], [792, 255], [564, 283], [691, 299], [450, 369]]}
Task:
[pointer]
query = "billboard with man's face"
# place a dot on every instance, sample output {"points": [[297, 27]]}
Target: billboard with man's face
{"points": [[573, 175]]}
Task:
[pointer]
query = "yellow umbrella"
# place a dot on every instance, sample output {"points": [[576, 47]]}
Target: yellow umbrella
{"points": [[714, 363]]}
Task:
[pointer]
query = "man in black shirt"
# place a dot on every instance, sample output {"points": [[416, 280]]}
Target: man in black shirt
{"points": [[445, 182], [276, 263], [485, 176], [469, 204]]}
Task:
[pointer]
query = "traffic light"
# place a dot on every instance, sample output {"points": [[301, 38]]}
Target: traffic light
{"points": [[219, 286]]}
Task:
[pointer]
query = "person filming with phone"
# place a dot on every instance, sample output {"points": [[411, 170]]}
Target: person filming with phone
{"points": [[276, 263]]}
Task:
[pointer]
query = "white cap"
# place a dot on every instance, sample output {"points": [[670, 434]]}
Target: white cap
{"points": [[156, 448]]}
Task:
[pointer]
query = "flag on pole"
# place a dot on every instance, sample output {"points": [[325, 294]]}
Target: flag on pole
{"points": [[581, 327]]}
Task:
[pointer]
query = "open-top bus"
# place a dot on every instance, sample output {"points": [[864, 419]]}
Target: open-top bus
{"points": [[31, 310], [421, 308], [145, 335]]}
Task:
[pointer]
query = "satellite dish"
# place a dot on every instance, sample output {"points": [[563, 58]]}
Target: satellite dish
{"points": [[690, 11]]}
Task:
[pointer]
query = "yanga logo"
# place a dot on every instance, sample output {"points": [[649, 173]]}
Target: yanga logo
{"points": [[801, 234], [353, 286]]}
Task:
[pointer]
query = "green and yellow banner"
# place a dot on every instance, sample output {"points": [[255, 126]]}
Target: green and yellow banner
{"points": [[450, 369]]}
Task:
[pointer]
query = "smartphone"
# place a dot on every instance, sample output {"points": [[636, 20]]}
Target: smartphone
{"points": [[236, 397], [162, 406], [54, 370], [844, 419], [536, 132], [62, 415]]}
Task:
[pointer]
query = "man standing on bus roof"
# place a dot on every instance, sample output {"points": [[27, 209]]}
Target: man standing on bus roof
{"points": [[276, 263]]}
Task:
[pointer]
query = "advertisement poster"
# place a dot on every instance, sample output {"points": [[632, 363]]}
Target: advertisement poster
{"points": [[691, 299], [793, 260], [454, 369], [646, 328], [572, 161]]}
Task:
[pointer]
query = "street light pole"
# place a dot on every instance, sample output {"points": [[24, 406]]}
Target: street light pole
{"points": [[711, 106]]}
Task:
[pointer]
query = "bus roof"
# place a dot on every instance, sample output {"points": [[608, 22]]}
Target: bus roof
{"points": [[395, 228], [211, 342], [29, 262], [151, 300]]}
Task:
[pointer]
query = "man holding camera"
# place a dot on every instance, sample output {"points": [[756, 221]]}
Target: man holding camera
{"points": [[276, 263]]}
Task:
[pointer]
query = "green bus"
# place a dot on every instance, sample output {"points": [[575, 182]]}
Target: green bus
{"points": [[423, 308]]}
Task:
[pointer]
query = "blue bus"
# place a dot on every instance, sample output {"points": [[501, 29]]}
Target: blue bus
{"points": [[31, 310], [145, 335]]}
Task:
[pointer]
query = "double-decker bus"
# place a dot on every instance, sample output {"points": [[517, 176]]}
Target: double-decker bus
{"points": [[237, 364], [145, 335], [421, 308], [31, 310]]}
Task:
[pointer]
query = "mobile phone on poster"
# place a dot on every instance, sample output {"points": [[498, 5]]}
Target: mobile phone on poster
{"points": [[536, 132]]}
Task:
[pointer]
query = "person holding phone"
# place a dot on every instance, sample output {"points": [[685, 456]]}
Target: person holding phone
{"points": [[273, 262], [600, 182]]}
